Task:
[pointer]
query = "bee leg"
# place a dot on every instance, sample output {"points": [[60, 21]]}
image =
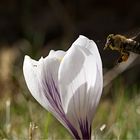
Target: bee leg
{"points": [[125, 55], [113, 48], [120, 59]]}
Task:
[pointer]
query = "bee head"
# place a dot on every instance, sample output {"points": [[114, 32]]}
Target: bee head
{"points": [[109, 41]]}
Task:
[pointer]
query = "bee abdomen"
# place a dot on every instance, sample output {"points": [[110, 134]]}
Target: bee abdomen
{"points": [[136, 48], [133, 47]]}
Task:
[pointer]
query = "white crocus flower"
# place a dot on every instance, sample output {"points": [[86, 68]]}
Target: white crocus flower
{"points": [[68, 84]]}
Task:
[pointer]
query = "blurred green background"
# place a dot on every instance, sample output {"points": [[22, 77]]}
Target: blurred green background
{"points": [[35, 27]]}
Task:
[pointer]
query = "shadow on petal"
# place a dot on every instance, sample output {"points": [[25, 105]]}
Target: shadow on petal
{"points": [[79, 111]]}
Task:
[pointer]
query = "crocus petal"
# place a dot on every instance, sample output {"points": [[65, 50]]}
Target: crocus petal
{"points": [[41, 78], [78, 74], [73, 63]]}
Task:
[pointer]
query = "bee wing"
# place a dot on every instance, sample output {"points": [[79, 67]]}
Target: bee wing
{"points": [[137, 38], [132, 34]]}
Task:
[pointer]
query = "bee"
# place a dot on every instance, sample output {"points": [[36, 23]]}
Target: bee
{"points": [[123, 45]]}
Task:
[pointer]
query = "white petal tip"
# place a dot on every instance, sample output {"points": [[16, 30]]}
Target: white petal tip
{"points": [[51, 53], [81, 41], [26, 57], [82, 36]]}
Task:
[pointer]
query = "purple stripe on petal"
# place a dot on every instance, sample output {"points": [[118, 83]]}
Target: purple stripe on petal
{"points": [[58, 106], [85, 129], [73, 130], [52, 94]]}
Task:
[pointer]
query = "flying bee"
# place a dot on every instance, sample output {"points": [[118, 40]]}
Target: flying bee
{"points": [[123, 45]]}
